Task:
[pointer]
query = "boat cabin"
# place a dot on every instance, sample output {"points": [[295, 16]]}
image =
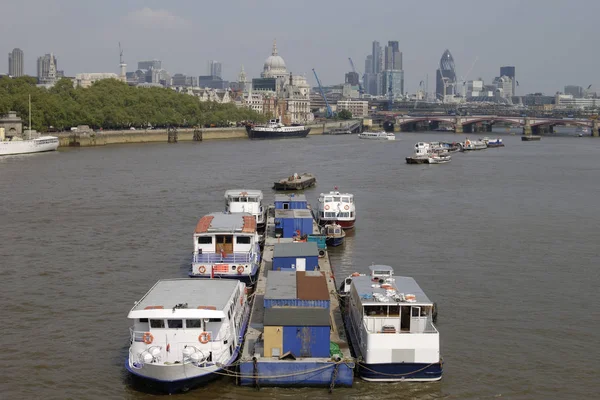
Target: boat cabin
{"points": [[336, 205], [333, 230], [291, 202], [390, 304], [242, 200]]}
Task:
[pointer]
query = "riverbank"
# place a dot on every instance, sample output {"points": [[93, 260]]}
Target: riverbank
{"points": [[80, 139]]}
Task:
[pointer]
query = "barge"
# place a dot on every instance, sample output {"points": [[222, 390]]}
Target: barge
{"points": [[530, 138], [296, 182], [296, 333]]}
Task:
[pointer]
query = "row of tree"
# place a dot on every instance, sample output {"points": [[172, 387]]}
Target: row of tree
{"points": [[111, 104]]}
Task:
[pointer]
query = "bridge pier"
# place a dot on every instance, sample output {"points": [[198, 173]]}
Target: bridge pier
{"points": [[595, 128], [458, 127], [527, 127]]}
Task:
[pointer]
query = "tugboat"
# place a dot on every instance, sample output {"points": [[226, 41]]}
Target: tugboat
{"points": [[274, 129], [390, 323], [334, 234], [295, 182]]}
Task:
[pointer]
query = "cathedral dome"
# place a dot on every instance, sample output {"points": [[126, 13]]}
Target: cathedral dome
{"points": [[274, 64]]}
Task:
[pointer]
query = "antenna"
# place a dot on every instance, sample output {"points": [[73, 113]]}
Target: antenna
{"points": [[120, 54]]}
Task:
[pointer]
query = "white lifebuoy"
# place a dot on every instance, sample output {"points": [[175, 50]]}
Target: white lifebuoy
{"points": [[202, 269], [346, 207], [327, 207]]}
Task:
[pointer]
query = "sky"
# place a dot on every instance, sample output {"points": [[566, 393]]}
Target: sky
{"points": [[552, 43]]}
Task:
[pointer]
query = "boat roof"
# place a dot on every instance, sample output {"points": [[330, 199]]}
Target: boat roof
{"points": [[290, 197], [226, 222], [209, 296], [369, 290], [336, 193], [243, 192], [293, 213], [300, 249]]}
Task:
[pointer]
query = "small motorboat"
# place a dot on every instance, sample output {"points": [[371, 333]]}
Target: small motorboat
{"points": [[439, 158], [334, 234]]}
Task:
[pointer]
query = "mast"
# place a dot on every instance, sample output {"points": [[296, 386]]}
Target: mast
{"points": [[30, 114]]}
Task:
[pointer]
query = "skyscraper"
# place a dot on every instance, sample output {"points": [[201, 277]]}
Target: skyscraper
{"points": [[150, 64], [510, 72], [15, 63], [377, 58], [214, 68], [445, 76], [393, 75]]}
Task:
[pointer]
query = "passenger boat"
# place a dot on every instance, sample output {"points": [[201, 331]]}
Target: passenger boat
{"points": [[248, 201], [274, 129], [16, 145], [336, 207], [226, 245], [186, 331], [377, 135], [295, 182], [390, 324], [469, 145], [438, 158], [334, 234], [497, 142], [422, 152]]}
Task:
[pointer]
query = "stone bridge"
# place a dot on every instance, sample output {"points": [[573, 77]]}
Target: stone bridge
{"points": [[460, 123]]}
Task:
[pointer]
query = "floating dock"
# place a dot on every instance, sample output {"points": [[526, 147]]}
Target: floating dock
{"points": [[295, 182], [295, 337]]}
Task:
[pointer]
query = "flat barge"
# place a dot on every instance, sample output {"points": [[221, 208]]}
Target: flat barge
{"points": [[296, 182], [294, 339], [529, 138]]}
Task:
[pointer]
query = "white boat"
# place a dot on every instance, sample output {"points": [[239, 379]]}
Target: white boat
{"points": [[390, 324], [438, 158], [226, 246], [468, 145], [336, 207], [248, 201], [496, 142], [185, 331], [377, 135], [16, 145], [275, 129]]}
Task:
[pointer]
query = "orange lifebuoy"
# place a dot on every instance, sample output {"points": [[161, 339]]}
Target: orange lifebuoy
{"points": [[327, 207], [346, 207], [148, 338], [240, 269], [204, 337], [241, 300], [355, 274], [202, 269]]}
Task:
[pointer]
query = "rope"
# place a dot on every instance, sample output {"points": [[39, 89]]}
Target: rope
{"points": [[256, 377], [398, 375]]}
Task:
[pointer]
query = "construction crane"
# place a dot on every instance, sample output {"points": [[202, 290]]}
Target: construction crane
{"points": [[329, 112], [360, 88], [464, 78], [390, 92]]}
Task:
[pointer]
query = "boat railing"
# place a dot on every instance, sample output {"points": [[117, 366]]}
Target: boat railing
{"points": [[379, 325], [220, 258]]}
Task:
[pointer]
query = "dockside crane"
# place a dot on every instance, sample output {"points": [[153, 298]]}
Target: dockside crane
{"points": [[360, 87], [329, 111]]}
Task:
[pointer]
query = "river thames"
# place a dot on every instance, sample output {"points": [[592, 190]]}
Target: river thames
{"points": [[506, 241]]}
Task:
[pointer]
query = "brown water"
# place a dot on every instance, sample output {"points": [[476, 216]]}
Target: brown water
{"points": [[505, 240]]}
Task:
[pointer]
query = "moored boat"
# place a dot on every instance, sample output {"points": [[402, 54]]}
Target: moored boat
{"points": [[295, 182], [249, 201], [334, 234], [530, 138], [377, 135], [390, 324], [185, 332], [226, 245], [438, 158], [16, 145], [336, 207], [274, 129]]}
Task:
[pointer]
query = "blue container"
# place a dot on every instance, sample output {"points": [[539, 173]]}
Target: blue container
{"points": [[281, 303], [306, 341], [290, 202], [319, 240], [287, 256]]}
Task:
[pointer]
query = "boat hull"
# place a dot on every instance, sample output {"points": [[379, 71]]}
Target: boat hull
{"points": [[530, 138], [345, 224], [334, 241], [413, 160], [295, 185], [260, 134], [305, 372], [248, 279], [27, 146], [400, 372]]}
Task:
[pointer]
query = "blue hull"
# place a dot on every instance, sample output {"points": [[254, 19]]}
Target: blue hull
{"points": [[334, 242], [295, 373], [401, 371]]}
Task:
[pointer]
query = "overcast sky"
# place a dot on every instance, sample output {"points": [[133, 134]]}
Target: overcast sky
{"points": [[551, 43]]}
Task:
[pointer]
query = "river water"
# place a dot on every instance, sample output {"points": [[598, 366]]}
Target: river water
{"points": [[504, 240]]}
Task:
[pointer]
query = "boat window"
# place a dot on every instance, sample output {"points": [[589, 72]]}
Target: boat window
{"points": [[143, 320], [376, 311], [214, 320], [157, 323], [193, 323], [243, 239], [205, 240], [416, 311], [336, 198], [328, 200], [175, 323], [351, 214], [345, 199], [394, 311]]}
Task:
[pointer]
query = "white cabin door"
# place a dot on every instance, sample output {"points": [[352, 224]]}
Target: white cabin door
{"points": [[417, 321], [300, 264]]}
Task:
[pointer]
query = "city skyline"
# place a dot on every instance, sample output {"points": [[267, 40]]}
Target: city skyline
{"points": [[545, 42]]}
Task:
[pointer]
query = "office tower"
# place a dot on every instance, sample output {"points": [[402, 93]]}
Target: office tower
{"points": [[15, 63]]}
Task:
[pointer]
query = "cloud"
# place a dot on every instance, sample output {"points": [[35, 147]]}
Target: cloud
{"points": [[150, 18]]}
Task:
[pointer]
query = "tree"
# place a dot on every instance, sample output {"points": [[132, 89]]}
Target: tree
{"points": [[345, 114]]}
